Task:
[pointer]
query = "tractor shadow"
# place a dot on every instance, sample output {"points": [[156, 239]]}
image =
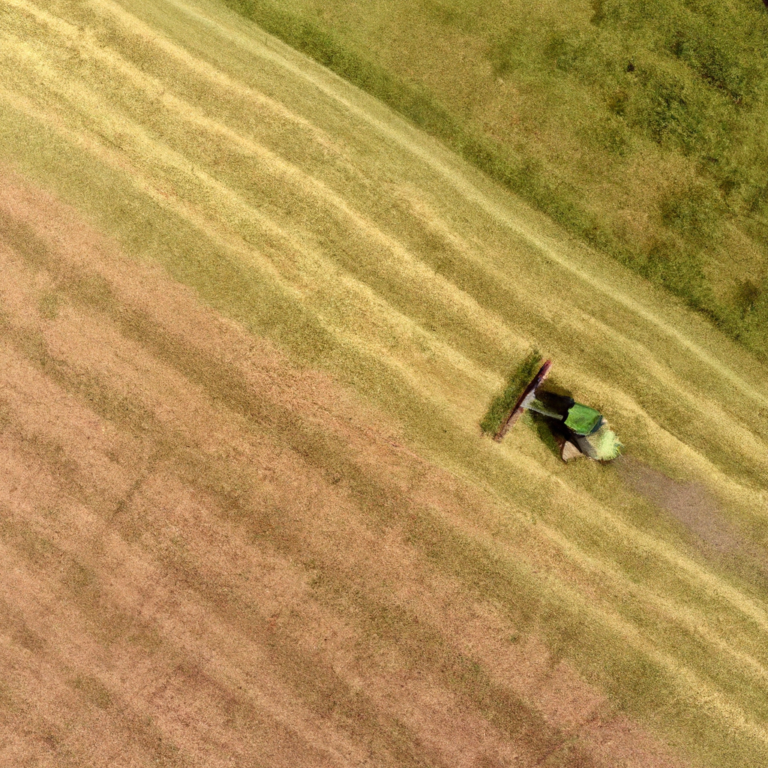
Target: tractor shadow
{"points": [[550, 431], [547, 431]]}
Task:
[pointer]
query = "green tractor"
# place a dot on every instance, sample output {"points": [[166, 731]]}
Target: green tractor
{"points": [[578, 429]]}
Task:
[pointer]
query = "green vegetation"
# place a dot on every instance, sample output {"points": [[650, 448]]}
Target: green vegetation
{"points": [[607, 445], [502, 404], [640, 128], [582, 419]]}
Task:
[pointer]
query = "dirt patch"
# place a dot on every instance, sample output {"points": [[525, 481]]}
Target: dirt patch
{"points": [[688, 503], [205, 559], [693, 507]]}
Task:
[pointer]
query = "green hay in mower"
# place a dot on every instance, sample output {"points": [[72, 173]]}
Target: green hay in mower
{"points": [[606, 444], [503, 403]]}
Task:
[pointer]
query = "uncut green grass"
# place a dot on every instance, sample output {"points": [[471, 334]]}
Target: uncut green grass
{"points": [[315, 216], [502, 404], [639, 129]]}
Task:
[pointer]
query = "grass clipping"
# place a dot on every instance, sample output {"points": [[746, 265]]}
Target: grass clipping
{"points": [[503, 403]]}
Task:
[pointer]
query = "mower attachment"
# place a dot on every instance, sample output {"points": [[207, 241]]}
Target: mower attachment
{"points": [[529, 393]]}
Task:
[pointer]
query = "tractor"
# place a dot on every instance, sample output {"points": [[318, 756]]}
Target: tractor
{"points": [[578, 429]]}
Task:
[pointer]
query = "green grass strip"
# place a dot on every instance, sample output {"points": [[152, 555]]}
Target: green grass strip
{"points": [[682, 273], [503, 403], [417, 104]]}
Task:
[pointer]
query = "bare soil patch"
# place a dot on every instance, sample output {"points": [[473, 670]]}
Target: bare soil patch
{"points": [[204, 556], [688, 503]]}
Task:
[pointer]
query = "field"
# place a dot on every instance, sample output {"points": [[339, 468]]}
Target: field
{"points": [[638, 127], [250, 320]]}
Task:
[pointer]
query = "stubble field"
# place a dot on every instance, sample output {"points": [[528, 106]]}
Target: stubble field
{"points": [[249, 323]]}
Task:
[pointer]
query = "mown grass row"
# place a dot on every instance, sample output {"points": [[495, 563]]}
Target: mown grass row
{"points": [[502, 404], [667, 86]]}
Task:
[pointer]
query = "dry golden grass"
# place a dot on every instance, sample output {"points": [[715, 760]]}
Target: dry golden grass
{"points": [[254, 518]]}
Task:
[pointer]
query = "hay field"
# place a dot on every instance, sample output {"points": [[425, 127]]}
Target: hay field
{"points": [[249, 323], [637, 127]]}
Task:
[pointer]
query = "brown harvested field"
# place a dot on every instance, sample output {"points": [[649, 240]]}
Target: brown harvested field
{"points": [[191, 575]]}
